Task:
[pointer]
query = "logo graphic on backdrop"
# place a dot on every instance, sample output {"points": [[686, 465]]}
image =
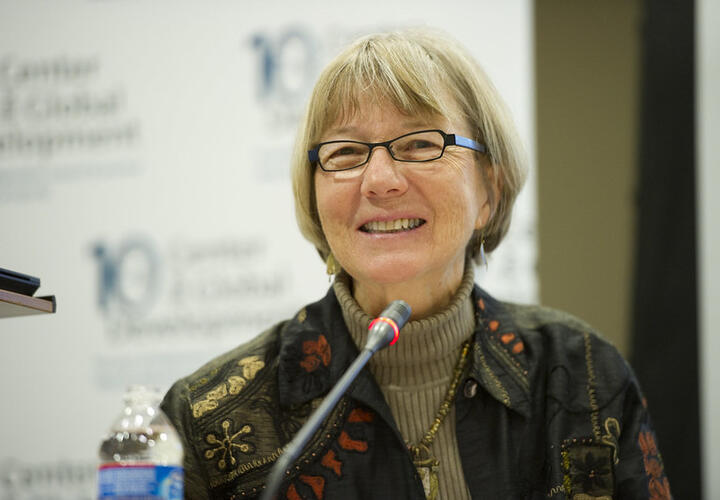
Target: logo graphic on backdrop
{"points": [[128, 278], [287, 65], [163, 304], [56, 117], [185, 288]]}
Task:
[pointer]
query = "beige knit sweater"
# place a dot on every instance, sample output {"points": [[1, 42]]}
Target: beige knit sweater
{"points": [[415, 373]]}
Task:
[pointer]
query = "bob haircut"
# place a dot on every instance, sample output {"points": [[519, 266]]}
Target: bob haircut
{"points": [[422, 73]]}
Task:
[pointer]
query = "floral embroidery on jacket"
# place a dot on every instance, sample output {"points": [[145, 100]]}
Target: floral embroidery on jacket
{"points": [[250, 365], [306, 484], [228, 443], [329, 461], [588, 469], [306, 373], [658, 485], [311, 485], [316, 352]]}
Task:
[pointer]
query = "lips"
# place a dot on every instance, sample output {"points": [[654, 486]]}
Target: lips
{"points": [[391, 226]]}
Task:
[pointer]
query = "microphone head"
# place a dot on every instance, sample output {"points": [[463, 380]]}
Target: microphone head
{"points": [[398, 311], [385, 329]]}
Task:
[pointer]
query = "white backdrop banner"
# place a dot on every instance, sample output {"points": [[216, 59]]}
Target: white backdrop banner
{"points": [[144, 176]]}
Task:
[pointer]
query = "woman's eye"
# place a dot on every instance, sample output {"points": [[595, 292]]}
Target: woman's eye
{"points": [[420, 144], [345, 151]]}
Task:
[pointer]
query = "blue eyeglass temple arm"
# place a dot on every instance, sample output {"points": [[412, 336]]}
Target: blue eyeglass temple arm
{"points": [[458, 140]]}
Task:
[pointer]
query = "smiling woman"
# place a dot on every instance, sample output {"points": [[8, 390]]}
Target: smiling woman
{"points": [[405, 171], [422, 264]]}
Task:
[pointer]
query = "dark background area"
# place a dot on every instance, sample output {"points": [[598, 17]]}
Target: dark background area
{"points": [[665, 325]]}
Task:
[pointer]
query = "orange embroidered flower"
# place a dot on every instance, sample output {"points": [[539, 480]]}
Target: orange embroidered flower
{"points": [[292, 493], [647, 443], [348, 443], [653, 467], [360, 415], [506, 338], [659, 489], [316, 483], [316, 352], [331, 462], [658, 485]]}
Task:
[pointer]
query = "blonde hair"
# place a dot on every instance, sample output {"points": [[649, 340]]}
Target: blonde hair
{"points": [[422, 73]]}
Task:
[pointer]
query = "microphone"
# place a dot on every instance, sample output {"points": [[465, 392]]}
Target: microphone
{"points": [[384, 331]]}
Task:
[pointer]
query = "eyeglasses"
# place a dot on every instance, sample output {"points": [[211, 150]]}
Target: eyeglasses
{"points": [[415, 147]]}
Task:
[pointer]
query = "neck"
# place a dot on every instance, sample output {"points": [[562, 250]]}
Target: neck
{"points": [[425, 295]]}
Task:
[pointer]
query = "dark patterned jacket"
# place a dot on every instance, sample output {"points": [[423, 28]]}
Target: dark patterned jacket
{"points": [[546, 409]]}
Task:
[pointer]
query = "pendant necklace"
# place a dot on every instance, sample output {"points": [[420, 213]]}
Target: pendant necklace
{"points": [[425, 463]]}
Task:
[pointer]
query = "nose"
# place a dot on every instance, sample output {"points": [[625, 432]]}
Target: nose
{"points": [[382, 178]]}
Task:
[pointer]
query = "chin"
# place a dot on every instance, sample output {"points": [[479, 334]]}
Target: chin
{"points": [[388, 270]]}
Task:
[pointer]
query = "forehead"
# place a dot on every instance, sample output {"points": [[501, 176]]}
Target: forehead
{"points": [[381, 118]]}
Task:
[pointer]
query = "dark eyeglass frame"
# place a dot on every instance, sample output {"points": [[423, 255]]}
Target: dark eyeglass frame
{"points": [[449, 140]]}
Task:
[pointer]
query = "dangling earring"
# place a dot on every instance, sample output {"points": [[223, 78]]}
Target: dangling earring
{"points": [[483, 257], [332, 265]]}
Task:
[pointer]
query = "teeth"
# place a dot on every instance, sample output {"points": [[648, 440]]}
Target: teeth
{"points": [[392, 226]]}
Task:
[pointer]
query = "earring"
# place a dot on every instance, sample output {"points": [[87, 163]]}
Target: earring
{"points": [[483, 257], [332, 265]]}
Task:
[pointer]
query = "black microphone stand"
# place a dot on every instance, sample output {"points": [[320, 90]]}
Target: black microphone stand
{"points": [[383, 332]]}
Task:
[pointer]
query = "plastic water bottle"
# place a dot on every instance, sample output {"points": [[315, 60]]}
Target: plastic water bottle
{"points": [[141, 457]]}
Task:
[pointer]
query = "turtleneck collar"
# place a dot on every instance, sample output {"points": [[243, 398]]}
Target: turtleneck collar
{"points": [[435, 339]]}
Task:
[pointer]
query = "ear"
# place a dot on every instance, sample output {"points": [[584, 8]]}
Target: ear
{"points": [[489, 195]]}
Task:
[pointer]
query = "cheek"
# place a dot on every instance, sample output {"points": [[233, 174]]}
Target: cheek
{"points": [[321, 197], [331, 202], [465, 195]]}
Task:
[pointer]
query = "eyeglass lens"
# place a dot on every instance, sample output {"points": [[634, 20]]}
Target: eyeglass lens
{"points": [[418, 147]]}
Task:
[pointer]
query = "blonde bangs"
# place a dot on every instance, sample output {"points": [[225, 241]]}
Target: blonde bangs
{"points": [[380, 71]]}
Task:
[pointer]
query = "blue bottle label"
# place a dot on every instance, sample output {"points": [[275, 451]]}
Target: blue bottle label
{"points": [[140, 481]]}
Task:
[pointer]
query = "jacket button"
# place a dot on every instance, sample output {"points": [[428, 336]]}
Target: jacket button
{"points": [[470, 388]]}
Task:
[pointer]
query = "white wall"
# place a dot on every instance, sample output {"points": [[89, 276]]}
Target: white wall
{"points": [[144, 177], [708, 128]]}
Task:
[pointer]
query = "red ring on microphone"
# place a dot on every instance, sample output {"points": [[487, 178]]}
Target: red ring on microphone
{"points": [[389, 322]]}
